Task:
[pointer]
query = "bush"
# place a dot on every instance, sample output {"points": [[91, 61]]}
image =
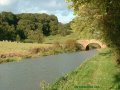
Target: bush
{"points": [[79, 47], [28, 41], [71, 46], [35, 50], [36, 36], [18, 38], [57, 45], [64, 32]]}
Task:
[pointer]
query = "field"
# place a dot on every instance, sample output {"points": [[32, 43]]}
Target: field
{"points": [[13, 51], [61, 39], [16, 47], [98, 73], [13, 47]]}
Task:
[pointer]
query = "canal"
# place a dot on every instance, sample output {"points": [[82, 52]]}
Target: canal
{"points": [[27, 74]]}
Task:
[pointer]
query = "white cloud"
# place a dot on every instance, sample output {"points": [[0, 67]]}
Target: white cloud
{"points": [[65, 18], [4, 2], [56, 7]]}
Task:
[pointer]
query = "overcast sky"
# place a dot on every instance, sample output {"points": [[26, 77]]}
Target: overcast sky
{"points": [[56, 7]]}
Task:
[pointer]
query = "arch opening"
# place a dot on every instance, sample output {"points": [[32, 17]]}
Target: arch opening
{"points": [[91, 46]]}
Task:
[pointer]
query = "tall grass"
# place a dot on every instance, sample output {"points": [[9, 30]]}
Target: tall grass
{"points": [[7, 47], [20, 50], [26, 50]]}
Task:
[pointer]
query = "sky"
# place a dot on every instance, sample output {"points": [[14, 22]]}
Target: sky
{"points": [[56, 7]]}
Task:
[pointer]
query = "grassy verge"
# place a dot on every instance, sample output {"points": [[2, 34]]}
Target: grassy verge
{"points": [[98, 73], [13, 51]]}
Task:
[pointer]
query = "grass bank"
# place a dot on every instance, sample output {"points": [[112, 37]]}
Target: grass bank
{"points": [[98, 73], [61, 39], [13, 51]]}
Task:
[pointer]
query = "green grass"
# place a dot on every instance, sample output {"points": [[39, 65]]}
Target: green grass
{"points": [[13, 51], [73, 35], [100, 71], [14, 47], [61, 39]]}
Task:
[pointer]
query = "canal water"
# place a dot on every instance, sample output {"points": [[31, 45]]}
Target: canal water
{"points": [[27, 74]]}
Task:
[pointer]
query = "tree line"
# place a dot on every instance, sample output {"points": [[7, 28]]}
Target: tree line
{"points": [[28, 26], [104, 15]]}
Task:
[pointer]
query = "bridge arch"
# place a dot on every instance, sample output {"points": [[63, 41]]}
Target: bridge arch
{"points": [[92, 46], [86, 42]]}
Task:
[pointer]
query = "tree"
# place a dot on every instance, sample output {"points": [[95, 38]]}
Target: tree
{"points": [[7, 26], [53, 25], [22, 26], [86, 24], [108, 14], [35, 36], [9, 17], [18, 38], [64, 29]]}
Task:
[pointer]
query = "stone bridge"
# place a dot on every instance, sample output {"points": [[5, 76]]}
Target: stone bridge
{"points": [[84, 43]]}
